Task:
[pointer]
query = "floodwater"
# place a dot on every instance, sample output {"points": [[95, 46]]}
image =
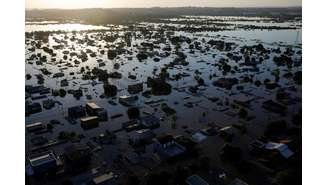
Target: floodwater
{"points": [[218, 112], [52, 26], [289, 37]]}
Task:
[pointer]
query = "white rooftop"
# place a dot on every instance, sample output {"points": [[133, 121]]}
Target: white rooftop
{"points": [[198, 137], [282, 148]]}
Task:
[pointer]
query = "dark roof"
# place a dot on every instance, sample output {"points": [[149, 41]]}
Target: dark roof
{"points": [[196, 180], [76, 151], [76, 108], [151, 119], [138, 85]]}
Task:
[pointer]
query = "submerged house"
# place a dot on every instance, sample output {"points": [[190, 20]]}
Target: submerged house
{"points": [[94, 110], [77, 155], [274, 107], [37, 89], [150, 122], [135, 88], [198, 137], [76, 112], [42, 163], [128, 100], [195, 180], [243, 100], [89, 122], [167, 147], [282, 148], [256, 146], [48, 104], [33, 108], [38, 126], [101, 179], [228, 133], [141, 136], [238, 182]]}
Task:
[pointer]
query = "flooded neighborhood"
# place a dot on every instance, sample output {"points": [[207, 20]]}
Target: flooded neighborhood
{"points": [[189, 98]]}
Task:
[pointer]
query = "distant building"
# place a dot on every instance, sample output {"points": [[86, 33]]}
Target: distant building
{"points": [[196, 180], [167, 147]]}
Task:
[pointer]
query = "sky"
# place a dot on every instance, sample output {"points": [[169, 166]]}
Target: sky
{"points": [[75, 4]]}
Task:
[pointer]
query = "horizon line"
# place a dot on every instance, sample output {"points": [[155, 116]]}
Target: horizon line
{"points": [[162, 7]]}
